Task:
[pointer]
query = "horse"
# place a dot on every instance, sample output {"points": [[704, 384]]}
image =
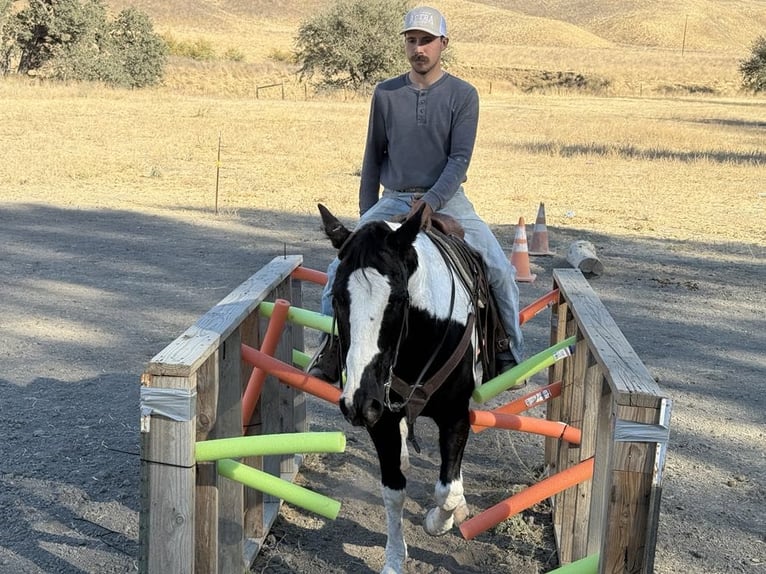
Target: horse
{"points": [[409, 339]]}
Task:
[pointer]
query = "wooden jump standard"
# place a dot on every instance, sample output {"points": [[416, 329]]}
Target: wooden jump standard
{"points": [[624, 418], [193, 521]]}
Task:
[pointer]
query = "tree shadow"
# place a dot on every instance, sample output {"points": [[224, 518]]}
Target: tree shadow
{"points": [[90, 296]]}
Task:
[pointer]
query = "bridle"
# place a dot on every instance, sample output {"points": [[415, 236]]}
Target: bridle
{"points": [[415, 395]]}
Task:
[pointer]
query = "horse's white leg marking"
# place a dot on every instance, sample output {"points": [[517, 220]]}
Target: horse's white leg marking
{"points": [[450, 506], [404, 457], [396, 548]]}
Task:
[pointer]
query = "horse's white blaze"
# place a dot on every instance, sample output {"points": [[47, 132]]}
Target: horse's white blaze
{"points": [[368, 296], [431, 288]]}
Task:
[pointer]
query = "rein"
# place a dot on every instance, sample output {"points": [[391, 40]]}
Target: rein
{"points": [[416, 395]]}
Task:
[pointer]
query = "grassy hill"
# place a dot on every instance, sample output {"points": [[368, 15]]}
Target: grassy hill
{"points": [[621, 47], [710, 24]]}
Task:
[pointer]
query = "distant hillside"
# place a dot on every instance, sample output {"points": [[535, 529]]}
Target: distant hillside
{"points": [[474, 23], [598, 46], [709, 24]]}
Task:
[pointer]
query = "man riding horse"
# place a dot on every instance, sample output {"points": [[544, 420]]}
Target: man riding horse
{"points": [[420, 139]]}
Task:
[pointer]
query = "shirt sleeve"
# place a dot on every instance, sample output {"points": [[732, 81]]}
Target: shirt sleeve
{"points": [[464, 126], [374, 152]]}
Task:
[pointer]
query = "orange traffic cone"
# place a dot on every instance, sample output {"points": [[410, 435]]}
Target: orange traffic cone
{"points": [[538, 244], [520, 254]]}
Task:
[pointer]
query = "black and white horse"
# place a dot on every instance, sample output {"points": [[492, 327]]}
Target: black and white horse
{"points": [[402, 315]]}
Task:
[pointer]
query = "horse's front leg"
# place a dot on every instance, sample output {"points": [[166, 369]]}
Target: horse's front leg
{"points": [[451, 506], [388, 442]]}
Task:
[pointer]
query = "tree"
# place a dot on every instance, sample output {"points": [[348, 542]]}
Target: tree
{"points": [[352, 44], [141, 52], [7, 35], [74, 40], [47, 29], [753, 69]]}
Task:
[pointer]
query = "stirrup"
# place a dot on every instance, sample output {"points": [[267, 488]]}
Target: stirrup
{"points": [[325, 364]]}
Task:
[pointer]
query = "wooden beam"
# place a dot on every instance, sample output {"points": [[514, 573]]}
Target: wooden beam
{"points": [[624, 418], [166, 524]]}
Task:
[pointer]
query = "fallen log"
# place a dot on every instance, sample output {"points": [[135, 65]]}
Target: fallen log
{"points": [[582, 255]]}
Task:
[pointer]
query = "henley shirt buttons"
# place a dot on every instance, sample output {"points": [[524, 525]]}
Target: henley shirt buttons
{"points": [[421, 108]]}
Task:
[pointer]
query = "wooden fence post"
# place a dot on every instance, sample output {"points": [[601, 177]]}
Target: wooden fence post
{"points": [[624, 418], [191, 519]]}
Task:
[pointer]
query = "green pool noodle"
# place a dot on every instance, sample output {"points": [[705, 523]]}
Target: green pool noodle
{"points": [[302, 317], [521, 371], [587, 565], [301, 359], [287, 491], [263, 445]]}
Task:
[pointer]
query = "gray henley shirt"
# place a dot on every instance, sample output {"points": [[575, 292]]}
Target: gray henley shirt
{"points": [[419, 139]]}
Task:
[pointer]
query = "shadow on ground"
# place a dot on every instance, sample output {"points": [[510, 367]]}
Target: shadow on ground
{"points": [[90, 296]]}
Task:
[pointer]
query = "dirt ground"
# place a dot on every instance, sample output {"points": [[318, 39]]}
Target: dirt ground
{"points": [[89, 297]]}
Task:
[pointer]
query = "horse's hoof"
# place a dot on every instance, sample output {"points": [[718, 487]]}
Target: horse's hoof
{"points": [[461, 514], [435, 524]]}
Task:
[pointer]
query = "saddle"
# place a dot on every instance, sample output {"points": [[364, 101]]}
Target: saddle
{"points": [[449, 236], [447, 225]]}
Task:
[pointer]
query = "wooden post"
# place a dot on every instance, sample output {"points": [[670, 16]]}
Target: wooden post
{"points": [[206, 522], [229, 424], [254, 521], [624, 418], [183, 527], [166, 524]]}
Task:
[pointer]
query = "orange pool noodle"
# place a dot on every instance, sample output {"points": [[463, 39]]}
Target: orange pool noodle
{"points": [[268, 346], [311, 275], [553, 429], [289, 375], [526, 498], [537, 305], [528, 401]]}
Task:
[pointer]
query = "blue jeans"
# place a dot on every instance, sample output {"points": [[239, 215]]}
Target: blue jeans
{"points": [[500, 273]]}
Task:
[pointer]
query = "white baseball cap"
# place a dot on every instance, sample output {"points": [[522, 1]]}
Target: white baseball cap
{"points": [[425, 19]]}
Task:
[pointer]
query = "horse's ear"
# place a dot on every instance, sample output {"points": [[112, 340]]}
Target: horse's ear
{"points": [[404, 237], [333, 228]]}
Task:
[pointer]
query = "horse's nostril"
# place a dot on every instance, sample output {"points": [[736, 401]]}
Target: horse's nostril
{"points": [[373, 410], [350, 413]]}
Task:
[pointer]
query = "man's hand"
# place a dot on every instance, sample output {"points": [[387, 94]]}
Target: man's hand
{"points": [[425, 217]]}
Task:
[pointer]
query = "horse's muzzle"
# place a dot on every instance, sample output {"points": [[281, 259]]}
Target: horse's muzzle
{"points": [[363, 410]]}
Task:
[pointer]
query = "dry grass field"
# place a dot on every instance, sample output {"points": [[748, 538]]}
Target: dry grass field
{"points": [[661, 151], [617, 160], [618, 164]]}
